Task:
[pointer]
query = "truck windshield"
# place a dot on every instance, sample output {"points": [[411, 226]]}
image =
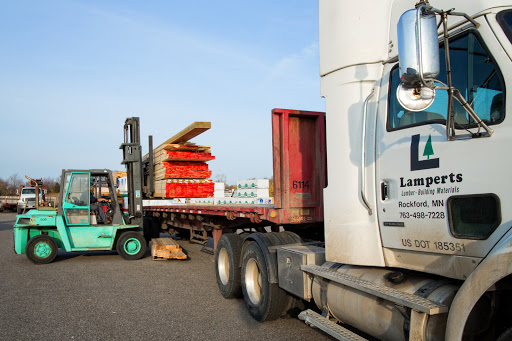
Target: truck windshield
{"points": [[476, 76], [505, 20], [28, 191]]}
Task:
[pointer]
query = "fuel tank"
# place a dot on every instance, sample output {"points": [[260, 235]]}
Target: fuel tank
{"points": [[378, 317]]}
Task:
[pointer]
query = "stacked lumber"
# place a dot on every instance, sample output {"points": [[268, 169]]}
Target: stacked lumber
{"points": [[180, 167], [183, 170], [166, 248]]}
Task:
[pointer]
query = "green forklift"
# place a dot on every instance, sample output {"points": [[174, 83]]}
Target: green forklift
{"points": [[88, 216]]}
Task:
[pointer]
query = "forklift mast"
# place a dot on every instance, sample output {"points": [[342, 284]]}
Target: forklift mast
{"points": [[132, 158]]}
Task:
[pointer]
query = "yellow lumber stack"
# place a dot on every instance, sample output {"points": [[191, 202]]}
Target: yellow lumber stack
{"points": [[166, 248]]}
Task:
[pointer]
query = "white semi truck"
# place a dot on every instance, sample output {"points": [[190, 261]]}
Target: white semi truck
{"points": [[417, 241]]}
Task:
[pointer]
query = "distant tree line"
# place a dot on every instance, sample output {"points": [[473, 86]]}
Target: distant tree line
{"points": [[10, 185]]}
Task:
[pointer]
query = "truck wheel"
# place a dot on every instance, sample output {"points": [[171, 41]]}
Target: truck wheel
{"points": [[265, 300], [18, 210], [131, 245], [41, 249], [506, 336], [227, 265]]}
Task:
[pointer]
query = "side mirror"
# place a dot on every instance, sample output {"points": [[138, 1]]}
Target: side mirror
{"points": [[418, 47]]}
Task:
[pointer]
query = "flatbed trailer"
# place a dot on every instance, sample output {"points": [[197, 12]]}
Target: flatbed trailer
{"points": [[299, 167], [8, 203]]}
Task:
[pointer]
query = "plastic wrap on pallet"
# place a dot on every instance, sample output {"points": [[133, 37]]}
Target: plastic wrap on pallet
{"points": [[164, 202], [225, 201], [209, 201], [219, 193], [122, 184], [252, 193], [264, 201], [253, 184], [245, 200]]}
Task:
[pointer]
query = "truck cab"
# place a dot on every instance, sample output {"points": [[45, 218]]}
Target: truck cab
{"points": [[87, 218], [417, 240]]}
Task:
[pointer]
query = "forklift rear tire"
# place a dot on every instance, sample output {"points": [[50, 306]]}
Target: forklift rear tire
{"points": [[41, 249], [227, 265], [131, 245]]}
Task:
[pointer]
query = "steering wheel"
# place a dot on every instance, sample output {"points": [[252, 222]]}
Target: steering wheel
{"points": [[110, 210]]}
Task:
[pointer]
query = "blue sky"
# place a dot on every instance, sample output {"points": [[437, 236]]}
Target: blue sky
{"points": [[72, 71]]}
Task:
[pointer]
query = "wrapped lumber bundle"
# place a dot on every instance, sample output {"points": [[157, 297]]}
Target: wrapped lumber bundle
{"points": [[180, 170], [183, 188], [189, 188], [183, 170], [188, 156]]}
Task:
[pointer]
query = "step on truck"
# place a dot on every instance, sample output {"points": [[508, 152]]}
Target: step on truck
{"points": [[415, 241]]}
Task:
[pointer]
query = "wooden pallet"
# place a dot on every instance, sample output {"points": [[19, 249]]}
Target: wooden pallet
{"points": [[166, 248]]}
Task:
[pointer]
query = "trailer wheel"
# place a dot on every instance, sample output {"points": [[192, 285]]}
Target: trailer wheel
{"points": [[131, 245], [41, 249], [265, 300], [227, 265]]}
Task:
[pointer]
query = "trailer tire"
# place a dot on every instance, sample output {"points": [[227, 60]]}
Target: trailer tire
{"points": [[266, 301], [131, 245], [41, 249], [147, 229], [155, 224], [227, 265]]}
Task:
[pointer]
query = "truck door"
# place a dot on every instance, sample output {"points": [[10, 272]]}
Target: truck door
{"points": [[439, 196]]}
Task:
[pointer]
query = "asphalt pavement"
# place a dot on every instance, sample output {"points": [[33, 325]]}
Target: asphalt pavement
{"points": [[100, 296]]}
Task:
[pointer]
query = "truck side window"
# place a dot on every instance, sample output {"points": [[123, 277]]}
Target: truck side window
{"points": [[474, 73], [474, 216]]}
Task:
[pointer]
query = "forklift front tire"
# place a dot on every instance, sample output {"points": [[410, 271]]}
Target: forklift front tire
{"points": [[131, 245], [41, 249]]}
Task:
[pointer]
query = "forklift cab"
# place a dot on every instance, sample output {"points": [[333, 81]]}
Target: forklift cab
{"points": [[88, 198]]}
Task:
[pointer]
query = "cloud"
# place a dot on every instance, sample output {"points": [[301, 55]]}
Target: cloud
{"points": [[295, 63]]}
